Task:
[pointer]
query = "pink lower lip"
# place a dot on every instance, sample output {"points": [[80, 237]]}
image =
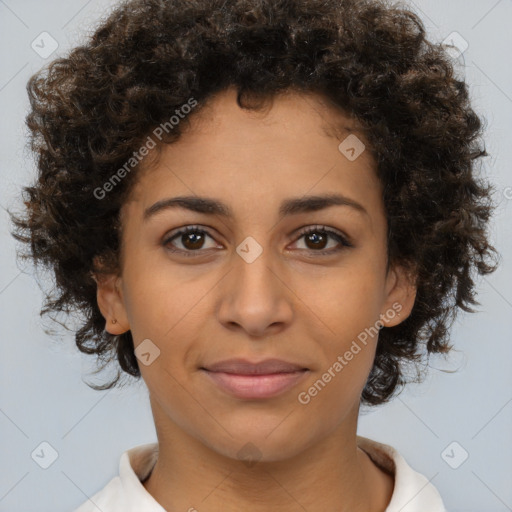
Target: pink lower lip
{"points": [[256, 386]]}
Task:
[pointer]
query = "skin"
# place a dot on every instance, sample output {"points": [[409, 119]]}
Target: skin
{"points": [[290, 303]]}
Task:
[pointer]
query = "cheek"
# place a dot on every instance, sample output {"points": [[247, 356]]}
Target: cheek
{"points": [[344, 312], [344, 302], [170, 311], [159, 299], [348, 355]]}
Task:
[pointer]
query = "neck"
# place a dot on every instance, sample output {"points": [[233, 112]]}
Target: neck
{"points": [[332, 475]]}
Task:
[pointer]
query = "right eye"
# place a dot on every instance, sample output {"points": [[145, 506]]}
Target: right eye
{"points": [[191, 239]]}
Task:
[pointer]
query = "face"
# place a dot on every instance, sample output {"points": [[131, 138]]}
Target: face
{"points": [[268, 275]]}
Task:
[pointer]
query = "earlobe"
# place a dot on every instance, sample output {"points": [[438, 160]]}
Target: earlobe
{"points": [[111, 303], [400, 298]]}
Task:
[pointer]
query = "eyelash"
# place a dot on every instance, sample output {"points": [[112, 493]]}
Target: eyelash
{"points": [[303, 232]]}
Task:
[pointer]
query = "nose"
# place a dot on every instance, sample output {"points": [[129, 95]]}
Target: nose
{"points": [[256, 297]]}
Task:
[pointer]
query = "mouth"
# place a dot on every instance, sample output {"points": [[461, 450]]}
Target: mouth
{"points": [[247, 380]]}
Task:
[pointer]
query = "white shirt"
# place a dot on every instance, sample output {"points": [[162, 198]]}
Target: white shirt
{"points": [[125, 493]]}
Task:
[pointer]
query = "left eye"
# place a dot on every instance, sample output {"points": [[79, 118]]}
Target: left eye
{"points": [[316, 239], [192, 239]]}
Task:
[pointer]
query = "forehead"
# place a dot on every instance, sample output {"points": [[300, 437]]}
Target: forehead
{"points": [[288, 148], [290, 109]]}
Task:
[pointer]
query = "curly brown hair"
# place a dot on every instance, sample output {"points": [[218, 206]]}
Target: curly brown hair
{"points": [[92, 109]]}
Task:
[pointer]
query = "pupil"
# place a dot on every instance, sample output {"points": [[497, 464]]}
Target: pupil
{"points": [[193, 241], [315, 238]]}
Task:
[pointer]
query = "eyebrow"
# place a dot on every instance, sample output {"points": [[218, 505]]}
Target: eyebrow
{"points": [[293, 206]]}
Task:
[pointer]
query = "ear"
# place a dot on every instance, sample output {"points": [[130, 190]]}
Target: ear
{"points": [[111, 303], [400, 295]]}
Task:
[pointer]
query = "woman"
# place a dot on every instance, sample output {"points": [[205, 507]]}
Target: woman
{"points": [[265, 210]]}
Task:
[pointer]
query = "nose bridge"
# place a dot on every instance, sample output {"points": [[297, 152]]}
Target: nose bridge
{"points": [[254, 271]]}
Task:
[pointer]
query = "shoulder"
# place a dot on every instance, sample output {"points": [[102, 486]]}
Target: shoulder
{"points": [[108, 499], [412, 491], [125, 492]]}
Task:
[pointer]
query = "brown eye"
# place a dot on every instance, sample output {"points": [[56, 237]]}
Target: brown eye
{"points": [[317, 238], [193, 240], [188, 240]]}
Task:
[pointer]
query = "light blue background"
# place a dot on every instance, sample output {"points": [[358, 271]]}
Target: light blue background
{"points": [[43, 397]]}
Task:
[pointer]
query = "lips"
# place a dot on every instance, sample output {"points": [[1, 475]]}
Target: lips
{"points": [[246, 380], [244, 367]]}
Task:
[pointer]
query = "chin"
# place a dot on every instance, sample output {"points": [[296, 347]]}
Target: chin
{"points": [[259, 441]]}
